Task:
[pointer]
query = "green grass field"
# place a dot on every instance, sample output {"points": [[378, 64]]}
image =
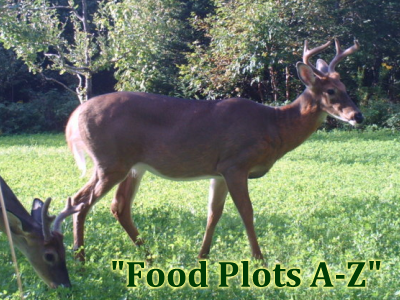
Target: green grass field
{"points": [[335, 199]]}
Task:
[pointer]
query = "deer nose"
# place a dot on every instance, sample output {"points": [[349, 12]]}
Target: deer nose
{"points": [[359, 118]]}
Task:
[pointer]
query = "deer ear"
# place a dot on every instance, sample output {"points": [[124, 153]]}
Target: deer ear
{"points": [[322, 66], [15, 224], [17, 227], [36, 211], [306, 74]]}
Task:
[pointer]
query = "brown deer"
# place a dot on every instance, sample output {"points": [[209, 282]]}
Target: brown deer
{"points": [[228, 141], [33, 236]]}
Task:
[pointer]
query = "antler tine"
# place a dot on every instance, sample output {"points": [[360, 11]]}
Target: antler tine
{"points": [[68, 210], [46, 220], [340, 54], [311, 52]]}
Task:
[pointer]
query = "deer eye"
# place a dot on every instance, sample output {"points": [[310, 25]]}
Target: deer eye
{"points": [[331, 91], [49, 257]]}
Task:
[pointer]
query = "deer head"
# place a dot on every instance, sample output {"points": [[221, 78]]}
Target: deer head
{"points": [[36, 239], [324, 82]]}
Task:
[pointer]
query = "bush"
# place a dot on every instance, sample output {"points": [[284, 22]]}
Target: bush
{"points": [[47, 112], [394, 121], [382, 113]]}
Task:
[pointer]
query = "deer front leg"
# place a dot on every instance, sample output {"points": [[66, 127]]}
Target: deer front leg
{"points": [[216, 201], [100, 183], [84, 195], [237, 185], [79, 227]]}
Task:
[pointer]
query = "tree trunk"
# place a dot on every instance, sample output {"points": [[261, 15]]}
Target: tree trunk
{"points": [[274, 85], [287, 83]]}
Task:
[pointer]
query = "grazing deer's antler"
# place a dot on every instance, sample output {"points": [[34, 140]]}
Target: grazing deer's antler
{"points": [[68, 210], [47, 220]]}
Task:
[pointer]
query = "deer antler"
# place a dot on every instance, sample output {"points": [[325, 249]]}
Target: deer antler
{"points": [[46, 220], [68, 210], [340, 54], [311, 52]]}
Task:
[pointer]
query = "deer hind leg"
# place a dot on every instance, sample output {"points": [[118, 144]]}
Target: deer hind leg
{"points": [[100, 183], [122, 202], [216, 202]]}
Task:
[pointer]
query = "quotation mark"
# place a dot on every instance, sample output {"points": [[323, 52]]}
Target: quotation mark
{"points": [[372, 262], [120, 264]]}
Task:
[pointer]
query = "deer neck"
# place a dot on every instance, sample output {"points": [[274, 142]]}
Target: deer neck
{"points": [[298, 120]]}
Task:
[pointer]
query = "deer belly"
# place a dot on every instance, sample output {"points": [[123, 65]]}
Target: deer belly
{"points": [[260, 170], [175, 174]]}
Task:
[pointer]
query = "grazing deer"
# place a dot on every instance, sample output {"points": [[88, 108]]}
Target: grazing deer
{"points": [[228, 141], [33, 236]]}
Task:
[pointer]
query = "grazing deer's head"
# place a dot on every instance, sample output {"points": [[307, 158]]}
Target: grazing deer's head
{"points": [[324, 82], [33, 236]]}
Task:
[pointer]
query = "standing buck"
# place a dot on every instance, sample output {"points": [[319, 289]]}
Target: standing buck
{"points": [[33, 236], [228, 141]]}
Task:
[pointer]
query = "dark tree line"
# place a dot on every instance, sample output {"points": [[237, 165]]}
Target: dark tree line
{"points": [[199, 49]]}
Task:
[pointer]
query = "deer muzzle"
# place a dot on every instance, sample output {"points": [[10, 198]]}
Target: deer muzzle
{"points": [[359, 118], [356, 119]]}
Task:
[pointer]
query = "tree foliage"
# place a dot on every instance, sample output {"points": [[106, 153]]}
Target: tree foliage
{"points": [[55, 36], [252, 44], [142, 38], [205, 48], [245, 39], [143, 41]]}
